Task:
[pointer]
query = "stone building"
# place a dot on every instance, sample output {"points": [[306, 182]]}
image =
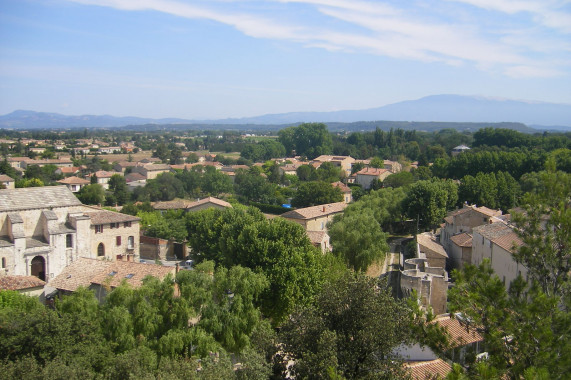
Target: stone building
{"points": [[497, 242], [315, 218], [366, 176], [464, 220], [430, 283], [7, 181], [44, 229]]}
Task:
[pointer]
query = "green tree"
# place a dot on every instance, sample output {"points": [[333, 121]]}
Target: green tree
{"points": [[316, 193], [329, 172], [308, 139], [306, 173], [428, 201], [350, 330], [93, 194], [358, 239], [399, 179], [118, 187]]}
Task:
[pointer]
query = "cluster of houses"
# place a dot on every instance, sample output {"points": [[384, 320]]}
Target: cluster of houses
{"points": [[468, 236], [48, 237]]}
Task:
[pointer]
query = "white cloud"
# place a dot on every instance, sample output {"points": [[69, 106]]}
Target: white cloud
{"points": [[551, 13], [382, 29]]}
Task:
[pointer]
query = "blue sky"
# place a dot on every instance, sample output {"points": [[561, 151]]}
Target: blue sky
{"points": [[236, 58]]}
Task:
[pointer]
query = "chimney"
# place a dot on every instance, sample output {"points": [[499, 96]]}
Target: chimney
{"points": [[323, 208]]}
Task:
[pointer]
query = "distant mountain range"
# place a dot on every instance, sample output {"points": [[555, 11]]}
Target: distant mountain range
{"points": [[436, 108]]}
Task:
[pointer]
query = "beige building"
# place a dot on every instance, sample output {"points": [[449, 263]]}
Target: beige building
{"points": [[315, 218], [464, 220], [460, 252], [344, 162], [7, 181], [151, 171], [392, 166], [74, 184], [319, 239], [44, 229], [496, 242], [366, 176], [346, 190], [431, 250], [103, 177]]}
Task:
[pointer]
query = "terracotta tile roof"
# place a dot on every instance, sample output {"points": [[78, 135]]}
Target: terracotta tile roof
{"points": [[5, 178], [372, 171], [79, 273], [131, 177], [104, 174], [106, 217], [316, 211], [69, 170], [37, 197], [213, 200], [132, 273], [175, 204], [325, 158], [344, 188], [316, 237], [508, 241], [459, 335], [428, 370], [156, 167], [84, 272], [48, 161], [20, 282], [462, 240], [499, 233], [74, 181], [488, 211], [429, 242], [126, 164]]}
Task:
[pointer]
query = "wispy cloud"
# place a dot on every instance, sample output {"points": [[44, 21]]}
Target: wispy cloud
{"points": [[551, 13], [392, 29]]}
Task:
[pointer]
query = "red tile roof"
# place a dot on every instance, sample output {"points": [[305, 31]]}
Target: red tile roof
{"points": [[132, 273], [84, 272], [459, 335], [106, 217], [344, 188], [74, 181], [429, 242], [20, 282], [316, 211], [428, 370], [372, 171], [462, 240]]}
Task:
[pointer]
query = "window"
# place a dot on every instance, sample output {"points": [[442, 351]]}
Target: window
{"points": [[69, 241], [131, 242], [114, 225], [3, 262], [127, 224], [98, 228], [118, 240], [100, 250]]}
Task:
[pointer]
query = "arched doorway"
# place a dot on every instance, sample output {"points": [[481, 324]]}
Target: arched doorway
{"points": [[39, 267], [100, 250]]}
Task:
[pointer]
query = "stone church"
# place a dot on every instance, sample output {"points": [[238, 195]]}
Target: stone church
{"points": [[44, 229]]}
